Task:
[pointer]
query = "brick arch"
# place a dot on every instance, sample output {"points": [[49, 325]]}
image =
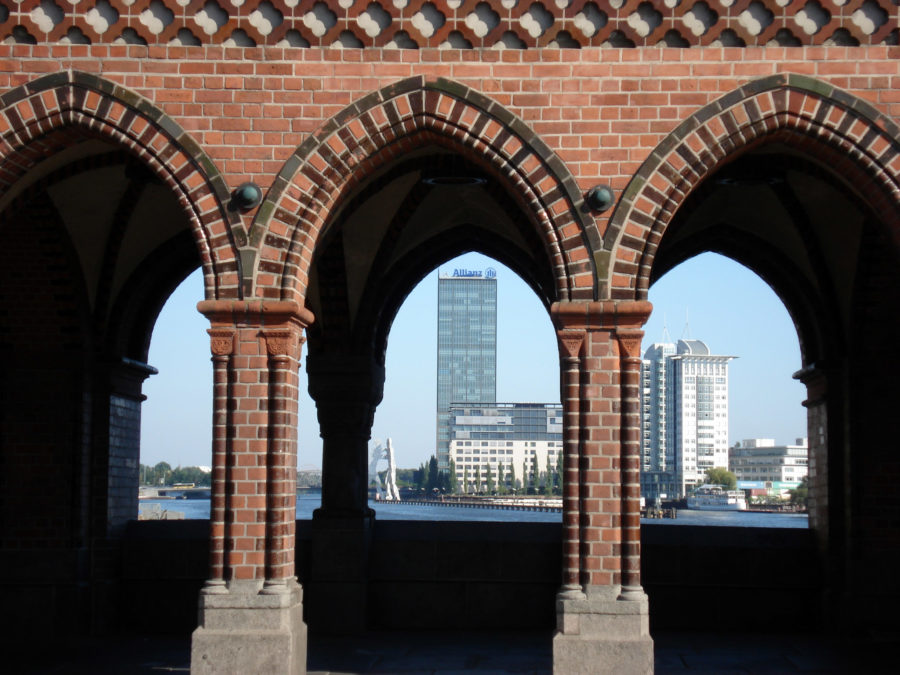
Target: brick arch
{"points": [[820, 120], [378, 130], [38, 118]]}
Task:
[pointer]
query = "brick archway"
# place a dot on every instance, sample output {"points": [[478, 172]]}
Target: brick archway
{"points": [[395, 120], [36, 119], [818, 119]]}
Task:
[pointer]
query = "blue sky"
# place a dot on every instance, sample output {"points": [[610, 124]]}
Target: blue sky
{"points": [[726, 305]]}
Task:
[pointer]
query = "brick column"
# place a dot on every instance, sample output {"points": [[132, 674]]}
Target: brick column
{"points": [[829, 465], [251, 613], [815, 378], [605, 628]]}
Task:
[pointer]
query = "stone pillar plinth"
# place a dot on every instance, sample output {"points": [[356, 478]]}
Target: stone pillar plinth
{"points": [[602, 633], [245, 628], [338, 574], [602, 611], [251, 607]]}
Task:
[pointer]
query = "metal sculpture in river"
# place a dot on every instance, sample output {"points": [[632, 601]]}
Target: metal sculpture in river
{"points": [[387, 489]]}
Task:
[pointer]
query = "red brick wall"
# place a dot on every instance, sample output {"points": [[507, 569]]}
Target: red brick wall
{"points": [[42, 383], [601, 111]]}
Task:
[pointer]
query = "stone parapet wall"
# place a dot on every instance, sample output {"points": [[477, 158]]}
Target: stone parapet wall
{"points": [[464, 568], [456, 24]]}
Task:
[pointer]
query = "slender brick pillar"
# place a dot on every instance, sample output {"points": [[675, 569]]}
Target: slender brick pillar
{"points": [[251, 612], [828, 467], [346, 388], [630, 465], [604, 628], [570, 347]]}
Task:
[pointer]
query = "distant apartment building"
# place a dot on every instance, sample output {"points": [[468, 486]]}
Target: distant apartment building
{"points": [[684, 417], [466, 346], [760, 460], [509, 437]]}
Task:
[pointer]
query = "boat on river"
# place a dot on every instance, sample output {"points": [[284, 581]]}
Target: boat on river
{"points": [[716, 498]]}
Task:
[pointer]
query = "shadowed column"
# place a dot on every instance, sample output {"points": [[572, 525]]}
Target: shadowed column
{"points": [[346, 389]]}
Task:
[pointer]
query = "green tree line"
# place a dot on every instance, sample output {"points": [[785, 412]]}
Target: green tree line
{"points": [[529, 479], [163, 474]]}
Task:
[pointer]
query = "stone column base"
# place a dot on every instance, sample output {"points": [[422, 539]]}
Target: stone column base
{"points": [[247, 628], [599, 633]]}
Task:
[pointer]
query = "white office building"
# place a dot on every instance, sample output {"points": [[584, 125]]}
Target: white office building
{"points": [[684, 404], [504, 439], [759, 460]]}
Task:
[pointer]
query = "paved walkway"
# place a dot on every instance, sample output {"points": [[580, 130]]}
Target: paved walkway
{"points": [[500, 653]]}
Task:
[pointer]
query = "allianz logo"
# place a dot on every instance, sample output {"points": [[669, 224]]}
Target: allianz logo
{"points": [[489, 273]]}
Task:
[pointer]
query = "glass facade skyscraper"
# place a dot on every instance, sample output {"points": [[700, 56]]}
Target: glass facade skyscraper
{"points": [[466, 346]]}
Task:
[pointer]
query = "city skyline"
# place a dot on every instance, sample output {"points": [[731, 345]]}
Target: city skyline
{"points": [[765, 401]]}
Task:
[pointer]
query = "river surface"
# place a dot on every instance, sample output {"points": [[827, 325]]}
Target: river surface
{"points": [[198, 509]]}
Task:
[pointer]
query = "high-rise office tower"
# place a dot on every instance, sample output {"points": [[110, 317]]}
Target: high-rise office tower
{"points": [[466, 347], [684, 411]]}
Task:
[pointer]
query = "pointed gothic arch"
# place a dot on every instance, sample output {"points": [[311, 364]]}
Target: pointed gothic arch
{"points": [[43, 116], [816, 118], [397, 119]]}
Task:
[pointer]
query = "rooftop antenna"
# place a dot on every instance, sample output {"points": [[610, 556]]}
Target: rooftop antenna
{"points": [[666, 338], [686, 334]]}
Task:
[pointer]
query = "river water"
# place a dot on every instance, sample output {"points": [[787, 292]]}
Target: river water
{"points": [[198, 509]]}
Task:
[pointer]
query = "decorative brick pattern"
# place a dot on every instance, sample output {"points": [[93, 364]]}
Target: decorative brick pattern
{"points": [[600, 112], [396, 120], [457, 24], [846, 133], [46, 115]]}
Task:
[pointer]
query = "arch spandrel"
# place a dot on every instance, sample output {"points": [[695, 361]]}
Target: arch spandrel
{"points": [[87, 104], [381, 128], [812, 116]]}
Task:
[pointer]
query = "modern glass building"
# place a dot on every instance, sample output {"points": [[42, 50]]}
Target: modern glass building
{"points": [[466, 346]]}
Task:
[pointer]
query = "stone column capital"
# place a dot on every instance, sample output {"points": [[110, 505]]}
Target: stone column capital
{"points": [[815, 377], [126, 377], [221, 341], [344, 379], [570, 342], [607, 315], [283, 343], [255, 312], [630, 342]]}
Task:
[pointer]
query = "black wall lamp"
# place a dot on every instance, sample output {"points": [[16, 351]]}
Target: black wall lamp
{"points": [[246, 196], [600, 198]]}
